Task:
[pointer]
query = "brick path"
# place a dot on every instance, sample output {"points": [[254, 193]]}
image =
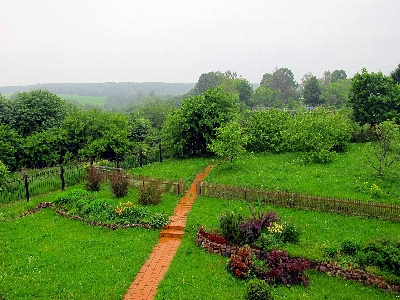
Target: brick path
{"points": [[144, 287]]}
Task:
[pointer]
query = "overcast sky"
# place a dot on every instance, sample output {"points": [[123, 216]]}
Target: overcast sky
{"points": [[178, 40]]}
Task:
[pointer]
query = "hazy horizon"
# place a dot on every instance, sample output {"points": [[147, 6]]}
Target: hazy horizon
{"points": [[97, 41]]}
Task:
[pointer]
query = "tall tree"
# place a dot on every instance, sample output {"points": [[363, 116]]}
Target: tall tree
{"points": [[283, 81], [396, 74], [265, 97], [4, 110], [336, 93], [188, 130], [312, 92], [36, 111], [374, 98], [338, 75], [244, 89]]}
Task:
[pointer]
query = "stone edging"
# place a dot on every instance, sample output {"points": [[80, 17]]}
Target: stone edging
{"points": [[330, 269]]}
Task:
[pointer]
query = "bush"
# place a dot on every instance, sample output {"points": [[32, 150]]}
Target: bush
{"points": [[286, 270], [129, 213], [213, 237], [69, 198], [150, 194], [93, 179], [349, 248], [229, 223], [251, 227], [158, 220], [383, 253], [241, 263], [258, 290], [290, 234], [119, 184], [267, 241]]}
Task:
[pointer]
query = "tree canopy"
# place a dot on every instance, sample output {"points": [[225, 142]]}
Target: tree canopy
{"points": [[312, 92], [374, 98]]}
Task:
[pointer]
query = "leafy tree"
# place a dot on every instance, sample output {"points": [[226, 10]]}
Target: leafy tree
{"points": [[141, 130], [4, 110], [156, 111], [36, 111], [283, 81], [264, 130], [207, 81], [10, 147], [230, 141], [326, 78], [188, 130], [312, 92], [43, 149], [374, 98], [396, 74], [338, 75], [244, 89], [3, 173], [336, 93], [385, 152], [265, 97]]}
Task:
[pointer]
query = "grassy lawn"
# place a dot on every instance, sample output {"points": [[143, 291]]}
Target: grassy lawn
{"points": [[196, 274], [348, 177]]}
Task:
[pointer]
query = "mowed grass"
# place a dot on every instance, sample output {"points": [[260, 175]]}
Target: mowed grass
{"points": [[349, 176], [93, 100], [196, 274], [45, 256]]}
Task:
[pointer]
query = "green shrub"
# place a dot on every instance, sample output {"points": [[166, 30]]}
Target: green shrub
{"points": [[93, 179], [267, 241], [383, 253], [119, 184], [258, 290], [290, 234], [158, 220], [129, 213], [150, 194], [229, 223], [349, 248], [68, 199]]}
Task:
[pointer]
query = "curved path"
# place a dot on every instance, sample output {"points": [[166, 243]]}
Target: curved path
{"points": [[144, 287]]}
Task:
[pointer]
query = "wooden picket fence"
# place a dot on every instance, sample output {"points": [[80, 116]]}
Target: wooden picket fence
{"points": [[170, 186], [302, 201]]}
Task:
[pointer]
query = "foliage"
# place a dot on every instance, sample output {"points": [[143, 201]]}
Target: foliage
{"points": [[258, 290], [158, 220], [71, 197], [312, 92], [3, 172], [93, 179], [119, 184], [230, 141], [127, 212], [286, 270], [290, 234], [267, 98], [383, 253], [188, 130], [213, 237], [396, 74], [338, 75], [385, 151], [241, 262], [336, 93], [349, 247], [229, 223], [150, 194], [251, 227], [374, 98], [5, 107], [268, 241], [319, 133], [282, 80], [44, 149], [244, 89], [264, 130], [35, 111], [10, 147]]}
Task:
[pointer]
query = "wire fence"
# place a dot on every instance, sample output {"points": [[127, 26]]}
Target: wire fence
{"points": [[39, 182], [301, 201]]}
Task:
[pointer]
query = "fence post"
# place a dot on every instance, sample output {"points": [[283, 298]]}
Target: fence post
{"points": [[26, 187], [62, 178], [140, 157], [160, 148]]}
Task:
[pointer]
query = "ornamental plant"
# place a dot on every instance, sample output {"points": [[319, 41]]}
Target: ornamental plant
{"points": [[150, 194], [119, 184], [93, 179], [241, 263]]}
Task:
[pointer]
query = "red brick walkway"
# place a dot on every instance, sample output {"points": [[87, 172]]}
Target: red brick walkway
{"points": [[144, 287]]}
